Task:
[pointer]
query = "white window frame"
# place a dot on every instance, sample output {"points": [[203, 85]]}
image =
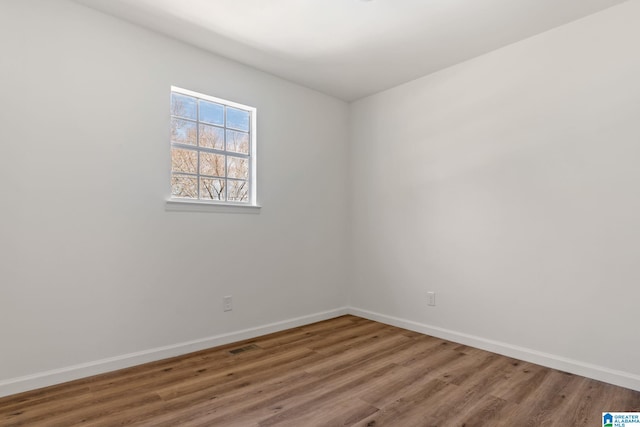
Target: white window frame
{"points": [[179, 203]]}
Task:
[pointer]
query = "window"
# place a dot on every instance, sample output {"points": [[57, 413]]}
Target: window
{"points": [[212, 149]]}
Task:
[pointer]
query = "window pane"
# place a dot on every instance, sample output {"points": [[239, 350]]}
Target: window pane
{"points": [[183, 106], [238, 191], [238, 141], [211, 164], [183, 132], [211, 113], [184, 160], [238, 119], [211, 189], [237, 167], [184, 186], [211, 137]]}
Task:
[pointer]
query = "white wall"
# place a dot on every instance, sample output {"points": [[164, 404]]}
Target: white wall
{"points": [[92, 266], [508, 185]]}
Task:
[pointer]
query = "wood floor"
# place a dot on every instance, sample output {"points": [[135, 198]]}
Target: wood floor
{"points": [[346, 371]]}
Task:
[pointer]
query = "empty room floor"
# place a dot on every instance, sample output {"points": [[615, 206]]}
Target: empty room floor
{"points": [[346, 371]]}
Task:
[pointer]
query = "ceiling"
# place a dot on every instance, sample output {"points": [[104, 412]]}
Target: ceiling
{"points": [[350, 48]]}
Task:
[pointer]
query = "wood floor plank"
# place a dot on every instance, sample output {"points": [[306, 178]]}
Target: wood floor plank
{"points": [[374, 349], [305, 397], [411, 409], [345, 413], [522, 383], [220, 399], [309, 411], [546, 401], [483, 411], [218, 403], [345, 371], [472, 391]]}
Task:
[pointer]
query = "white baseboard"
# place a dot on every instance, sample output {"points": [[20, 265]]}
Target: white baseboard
{"points": [[600, 373], [58, 376]]}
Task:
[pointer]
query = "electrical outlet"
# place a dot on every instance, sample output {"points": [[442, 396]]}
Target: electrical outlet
{"points": [[227, 303], [431, 298]]}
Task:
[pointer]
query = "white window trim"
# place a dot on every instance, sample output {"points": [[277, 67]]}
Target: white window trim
{"points": [[192, 205], [185, 205]]}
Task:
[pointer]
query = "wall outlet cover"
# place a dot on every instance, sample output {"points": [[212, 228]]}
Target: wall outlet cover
{"points": [[431, 298], [227, 303]]}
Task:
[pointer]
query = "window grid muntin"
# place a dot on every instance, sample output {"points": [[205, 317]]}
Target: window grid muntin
{"points": [[199, 149]]}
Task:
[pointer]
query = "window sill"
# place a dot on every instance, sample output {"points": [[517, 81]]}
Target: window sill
{"points": [[178, 205]]}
